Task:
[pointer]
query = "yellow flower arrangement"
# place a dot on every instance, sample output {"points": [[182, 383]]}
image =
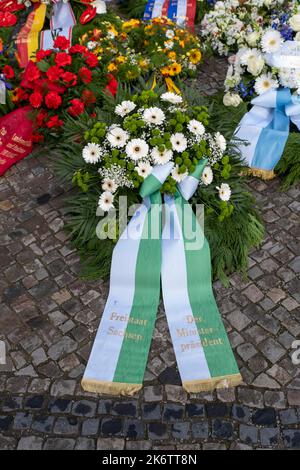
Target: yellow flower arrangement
{"points": [[132, 48]]}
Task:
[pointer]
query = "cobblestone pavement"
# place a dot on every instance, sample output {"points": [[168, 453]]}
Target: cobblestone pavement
{"points": [[49, 317]]}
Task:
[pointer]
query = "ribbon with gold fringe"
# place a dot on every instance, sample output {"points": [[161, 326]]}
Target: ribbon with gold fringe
{"points": [[264, 130], [178, 254]]}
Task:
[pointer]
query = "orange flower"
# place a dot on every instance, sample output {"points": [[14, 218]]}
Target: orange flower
{"points": [[175, 69], [172, 55], [112, 67]]}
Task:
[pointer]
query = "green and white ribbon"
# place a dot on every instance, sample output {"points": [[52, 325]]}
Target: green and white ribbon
{"points": [[144, 255]]}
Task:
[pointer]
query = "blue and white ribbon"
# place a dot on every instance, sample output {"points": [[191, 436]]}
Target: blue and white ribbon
{"points": [[3, 86], [265, 129]]}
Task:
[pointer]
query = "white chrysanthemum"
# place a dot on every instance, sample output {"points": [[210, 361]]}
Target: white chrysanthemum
{"points": [[106, 201], [100, 6], [179, 142], [91, 45], [177, 176], [117, 137], [144, 169], [91, 153], [125, 108], [265, 83], [224, 192], [232, 99], [154, 116], [170, 33], [109, 185], [137, 148], [207, 176], [169, 44], [172, 98], [196, 127], [220, 141], [160, 158], [271, 41]]}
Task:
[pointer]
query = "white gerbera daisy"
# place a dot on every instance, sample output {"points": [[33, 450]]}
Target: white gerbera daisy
{"points": [[172, 98], [137, 148], [248, 54], [177, 176], [196, 127], [220, 141], [207, 176], [265, 83], [271, 41], [170, 33], [125, 108], [117, 137], [154, 116], [224, 192], [144, 169], [179, 142], [106, 201], [160, 158], [91, 153], [109, 185]]}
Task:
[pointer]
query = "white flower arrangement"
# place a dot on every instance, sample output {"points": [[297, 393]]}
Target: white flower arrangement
{"points": [[152, 130], [232, 24], [255, 70]]}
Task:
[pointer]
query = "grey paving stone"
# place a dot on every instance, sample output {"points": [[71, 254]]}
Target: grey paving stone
{"points": [[173, 412], [289, 417], [110, 444], [30, 443], [180, 430], [222, 429], [200, 430], [248, 434], [22, 421], [269, 437], [43, 424], [82, 443], [134, 429], [59, 444], [157, 431], [84, 408], [91, 427], [291, 438], [66, 425]]}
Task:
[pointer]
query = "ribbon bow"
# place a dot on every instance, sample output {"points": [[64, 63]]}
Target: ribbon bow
{"points": [[146, 254], [266, 128]]}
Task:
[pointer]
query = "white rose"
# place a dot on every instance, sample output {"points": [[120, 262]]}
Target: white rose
{"points": [[297, 37], [232, 99], [295, 22], [255, 65], [253, 38]]}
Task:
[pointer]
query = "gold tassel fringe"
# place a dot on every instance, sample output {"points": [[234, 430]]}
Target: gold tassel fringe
{"points": [[207, 385], [110, 388]]}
